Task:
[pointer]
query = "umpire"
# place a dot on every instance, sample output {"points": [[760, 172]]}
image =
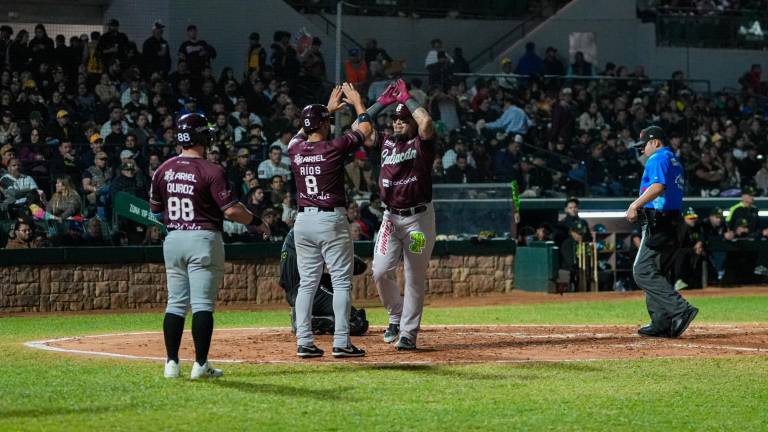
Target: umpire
{"points": [[658, 212]]}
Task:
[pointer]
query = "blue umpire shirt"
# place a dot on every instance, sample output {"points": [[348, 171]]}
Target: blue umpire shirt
{"points": [[664, 167]]}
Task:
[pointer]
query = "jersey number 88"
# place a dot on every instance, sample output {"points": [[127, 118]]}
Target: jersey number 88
{"points": [[180, 208]]}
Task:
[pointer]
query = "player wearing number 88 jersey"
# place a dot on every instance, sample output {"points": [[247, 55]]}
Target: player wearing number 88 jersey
{"points": [[321, 230], [191, 196]]}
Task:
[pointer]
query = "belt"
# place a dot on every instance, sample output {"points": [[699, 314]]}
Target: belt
{"points": [[665, 213], [408, 211], [317, 209]]}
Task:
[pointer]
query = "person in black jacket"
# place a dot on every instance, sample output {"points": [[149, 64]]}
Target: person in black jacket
{"points": [[461, 171], [113, 44], [198, 53], [156, 53]]}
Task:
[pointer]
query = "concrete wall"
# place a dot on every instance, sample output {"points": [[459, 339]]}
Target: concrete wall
{"points": [[37, 288], [408, 39], [51, 12], [623, 39]]}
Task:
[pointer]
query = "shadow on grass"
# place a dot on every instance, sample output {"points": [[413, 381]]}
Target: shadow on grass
{"points": [[278, 390], [49, 411]]}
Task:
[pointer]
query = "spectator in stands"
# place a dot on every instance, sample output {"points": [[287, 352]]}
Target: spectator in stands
{"points": [[257, 55], [66, 162], [513, 120], [113, 44], [115, 115], [156, 52], [506, 160], [449, 158], [214, 155], [127, 181], [530, 63], [5, 43], [533, 180], [18, 52], [116, 137], [65, 202], [580, 67], [438, 172], [7, 153], [440, 72], [62, 129], [40, 47], [437, 46], [592, 119], [277, 228], [106, 90], [713, 229], [707, 176], [460, 64], [154, 236], [94, 234], [96, 180], [761, 178], [373, 213], [563, 117], [196, 52], [461, 171], [353, 216], [274, 166], [257, 201], [360, 175], [141, 129], [277, 189], [355, 69], [752, 81], [16, 186], [23, 236], [9, 130]]}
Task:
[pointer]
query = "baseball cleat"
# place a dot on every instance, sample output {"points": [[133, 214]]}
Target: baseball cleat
{"points": [[350, 351], [309, 351], [172, 369], [391, 333], [405, 344], [205, 371], [680, 324]]}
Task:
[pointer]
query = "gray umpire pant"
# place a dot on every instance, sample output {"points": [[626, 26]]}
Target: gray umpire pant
{"points": [[664, 303], [322, 239]]}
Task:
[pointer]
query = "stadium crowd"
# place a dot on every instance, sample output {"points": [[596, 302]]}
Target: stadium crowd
{"points": [[86, 119]]}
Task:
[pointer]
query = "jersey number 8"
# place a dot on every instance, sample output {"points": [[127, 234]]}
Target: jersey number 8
{"points": [[311, 183], [180, 208]]}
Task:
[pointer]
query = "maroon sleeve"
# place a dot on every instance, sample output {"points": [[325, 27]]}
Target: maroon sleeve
{"points": [[220, 190], [350, 140], [156, 203]]}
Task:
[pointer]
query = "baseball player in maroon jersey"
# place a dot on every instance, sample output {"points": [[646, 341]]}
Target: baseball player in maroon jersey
{"points": [[191, 196], [408, 228], [321, 229]]}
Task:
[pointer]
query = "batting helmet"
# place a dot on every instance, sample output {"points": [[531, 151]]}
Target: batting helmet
{"points": [[402, 112], [313, 116], [192, 129]]}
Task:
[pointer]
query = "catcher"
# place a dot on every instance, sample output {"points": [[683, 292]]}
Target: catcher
{"points": [[322, 305]]}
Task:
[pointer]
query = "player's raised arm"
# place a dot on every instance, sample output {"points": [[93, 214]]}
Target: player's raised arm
{"points": [[386, 98], [422, 117], [363, 123]]}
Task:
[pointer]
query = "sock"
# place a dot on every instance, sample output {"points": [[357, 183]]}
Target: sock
{"points": [[202, 330], [173, 328]]}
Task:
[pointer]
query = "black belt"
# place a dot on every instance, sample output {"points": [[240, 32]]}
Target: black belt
{"points": [[320, 209], [661, 214], [408, 211]]}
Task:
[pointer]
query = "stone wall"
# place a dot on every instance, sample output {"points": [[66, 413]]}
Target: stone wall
{"points": [[134, 286]]}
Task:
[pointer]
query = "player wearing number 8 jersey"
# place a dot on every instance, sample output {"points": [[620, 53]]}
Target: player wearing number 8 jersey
{"points": [[321, 229], [191, 196], [408, 227]]}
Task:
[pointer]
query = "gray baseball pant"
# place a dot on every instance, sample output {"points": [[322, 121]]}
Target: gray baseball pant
{"points": [[194, 266], [410, 238], [322, 238]]}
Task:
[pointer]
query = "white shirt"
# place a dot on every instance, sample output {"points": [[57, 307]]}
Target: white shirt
{"points": [[267, 170], [19, 184]]}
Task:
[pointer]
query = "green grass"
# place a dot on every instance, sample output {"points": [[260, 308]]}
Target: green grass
{"points": [[49, 391]]}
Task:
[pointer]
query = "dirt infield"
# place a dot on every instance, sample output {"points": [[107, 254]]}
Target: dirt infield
{"points": [[443, 344]]}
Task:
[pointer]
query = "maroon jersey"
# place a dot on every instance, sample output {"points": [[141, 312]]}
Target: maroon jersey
{"points": [[406, 171], [192, 193], [318, 168]]}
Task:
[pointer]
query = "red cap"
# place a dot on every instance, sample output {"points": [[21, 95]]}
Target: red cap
{"points": [[360, 154]]}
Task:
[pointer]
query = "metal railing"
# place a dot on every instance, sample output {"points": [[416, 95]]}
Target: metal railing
{"points": [[478, 9]]}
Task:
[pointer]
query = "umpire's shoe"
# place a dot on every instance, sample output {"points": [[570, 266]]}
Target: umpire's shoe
{"points": [[391, 333], [652, 331], [172, 369], [681, 323], [350, 351], [309, 351], [405, 344]]}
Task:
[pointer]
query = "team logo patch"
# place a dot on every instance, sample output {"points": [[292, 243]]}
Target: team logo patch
{"points": [[284, 256], [418, 241], [169, 175]]}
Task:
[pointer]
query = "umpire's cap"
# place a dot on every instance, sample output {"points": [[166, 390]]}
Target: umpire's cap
{"points": [[313, 116], [192, 129], [650, 133]]}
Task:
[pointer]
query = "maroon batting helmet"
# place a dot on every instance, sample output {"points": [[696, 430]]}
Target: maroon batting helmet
{"points": [[313, 116], [192, 129], [402, 112]]}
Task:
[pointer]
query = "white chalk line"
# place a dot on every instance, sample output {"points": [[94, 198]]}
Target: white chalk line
{"points": [[45, 345]]}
